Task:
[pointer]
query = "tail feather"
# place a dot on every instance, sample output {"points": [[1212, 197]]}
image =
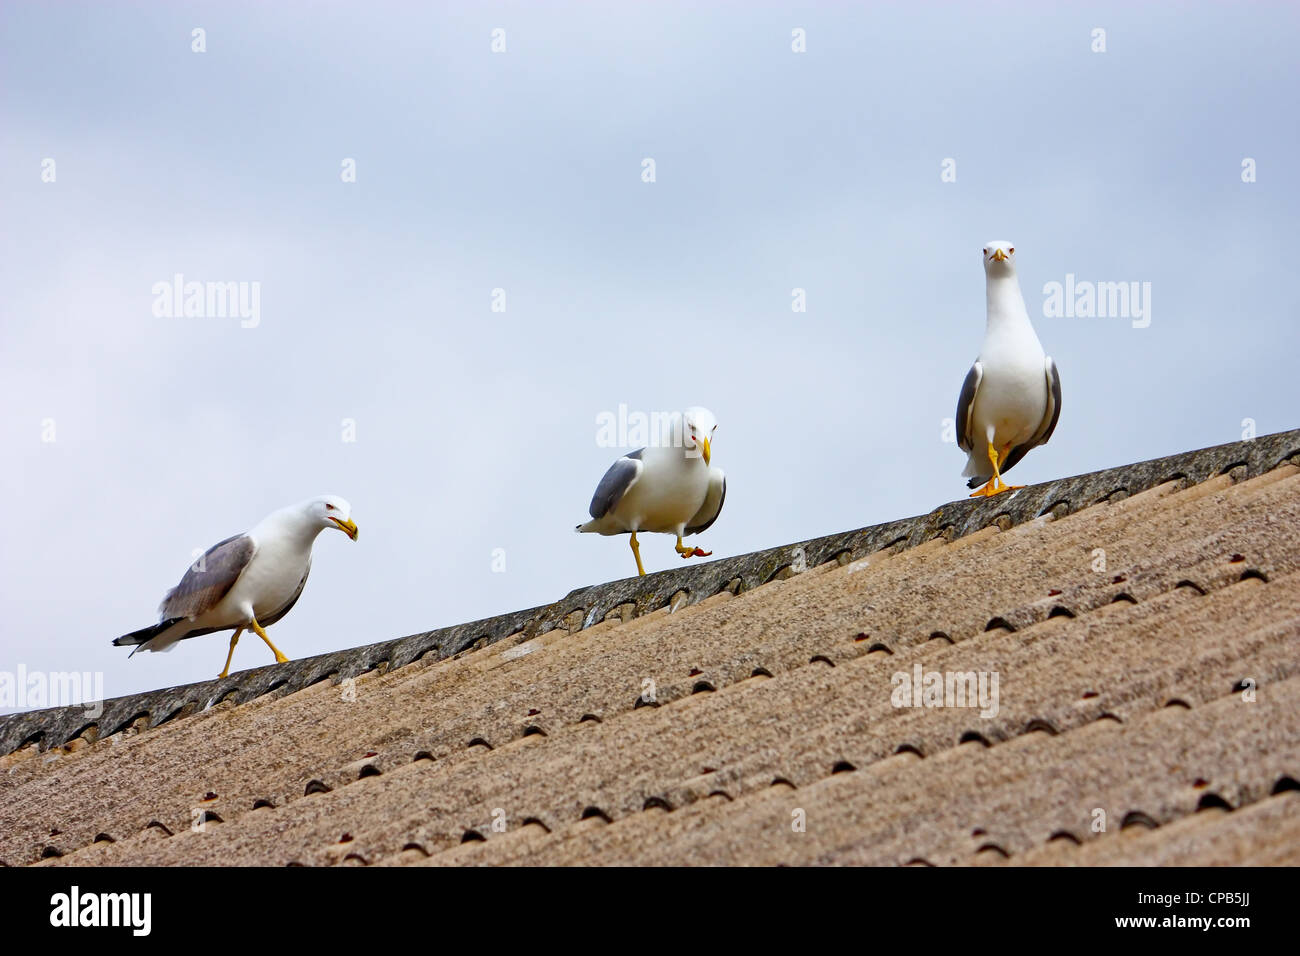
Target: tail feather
{"points": [[144, 634], [142, 637], [977, 470]]}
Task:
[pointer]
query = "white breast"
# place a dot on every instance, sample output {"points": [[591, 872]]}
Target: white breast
{"points": [[670, 491], [267, 584], [1013, 391]]}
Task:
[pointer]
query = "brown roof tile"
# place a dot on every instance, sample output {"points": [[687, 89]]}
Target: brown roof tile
{"points": [[703, 729]]}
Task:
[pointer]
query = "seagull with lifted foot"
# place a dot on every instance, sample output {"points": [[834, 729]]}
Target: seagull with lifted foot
{"points": [[669, 487]]}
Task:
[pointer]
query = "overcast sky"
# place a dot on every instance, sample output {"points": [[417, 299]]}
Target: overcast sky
{"points": [[523, 170]]}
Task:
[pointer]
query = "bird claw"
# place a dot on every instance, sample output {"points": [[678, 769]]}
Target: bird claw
{"points": [[989, 490], [696, 553]]}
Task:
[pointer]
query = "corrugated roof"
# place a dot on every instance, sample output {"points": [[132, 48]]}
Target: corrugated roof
{"points": [[699, 715]]}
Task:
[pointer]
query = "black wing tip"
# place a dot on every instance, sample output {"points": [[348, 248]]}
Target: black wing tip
{"points": [[144, 634], [135, 637]]}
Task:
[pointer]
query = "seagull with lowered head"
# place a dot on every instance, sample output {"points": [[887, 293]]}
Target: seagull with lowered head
{"points": [[668, 487], [248, 581], [1011, 398]]}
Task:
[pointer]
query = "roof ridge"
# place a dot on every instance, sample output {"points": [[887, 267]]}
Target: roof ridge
{"points": [[585, 606]]}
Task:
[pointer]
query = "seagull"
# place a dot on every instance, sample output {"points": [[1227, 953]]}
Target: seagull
{"points": [[668, 487], [248, 581], [1011, 398]]}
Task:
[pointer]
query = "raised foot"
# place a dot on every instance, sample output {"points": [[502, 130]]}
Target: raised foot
{"points": [[694, 553]]}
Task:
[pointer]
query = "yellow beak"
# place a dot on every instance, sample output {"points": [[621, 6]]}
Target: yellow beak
{"points": [[347, 526], [704, 449], [998, 255]]}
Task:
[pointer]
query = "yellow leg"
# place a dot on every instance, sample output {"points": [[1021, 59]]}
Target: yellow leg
{"points": [[260, 632], [636, 553], [234, 639], [688, 552], [994, 485]]}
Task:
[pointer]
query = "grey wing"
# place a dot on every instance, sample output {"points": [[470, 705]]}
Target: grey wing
{"points": [[712, 506], [292, 601], [966, 405], [1054, 403], [622, 475], [209, 578], [1050, 416]]}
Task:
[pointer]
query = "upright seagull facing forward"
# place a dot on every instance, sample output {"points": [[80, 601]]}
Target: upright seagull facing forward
{"points": [[1011, 398], [248, 581], [668, 487]]}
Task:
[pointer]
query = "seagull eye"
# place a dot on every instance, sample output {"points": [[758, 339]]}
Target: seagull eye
{"points": [[1012, 250], [329, 507]]}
